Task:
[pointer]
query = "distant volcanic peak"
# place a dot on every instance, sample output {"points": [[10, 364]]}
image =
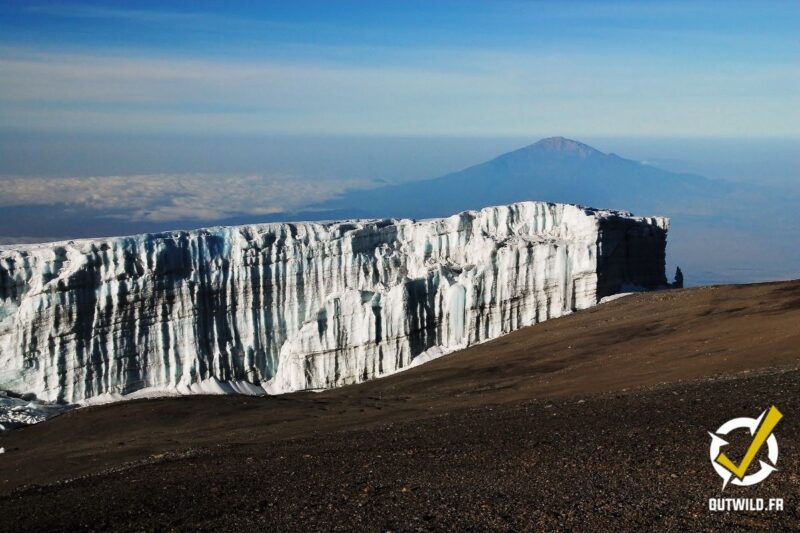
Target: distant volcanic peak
{"points": [[564, 146]]}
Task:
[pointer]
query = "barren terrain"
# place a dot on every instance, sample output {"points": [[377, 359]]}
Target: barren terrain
{"points": [[597, 420]]}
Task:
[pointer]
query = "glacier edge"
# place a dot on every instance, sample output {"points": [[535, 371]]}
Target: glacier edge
{"points": [[297, 306]]}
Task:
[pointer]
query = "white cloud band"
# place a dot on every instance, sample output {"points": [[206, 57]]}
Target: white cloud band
{"points": [[175, 197]]}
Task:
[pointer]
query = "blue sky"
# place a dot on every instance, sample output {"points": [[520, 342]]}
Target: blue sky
{"points": [[724, 69]]}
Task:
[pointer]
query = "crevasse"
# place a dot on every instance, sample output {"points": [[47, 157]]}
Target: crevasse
{"points": [[292, 306]]}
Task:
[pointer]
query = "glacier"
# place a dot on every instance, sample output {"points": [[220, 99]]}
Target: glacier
{"points": [[295, 306]]}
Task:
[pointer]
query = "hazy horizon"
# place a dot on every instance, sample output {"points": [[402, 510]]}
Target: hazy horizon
{"points": [[773, 161], [310, 170]]}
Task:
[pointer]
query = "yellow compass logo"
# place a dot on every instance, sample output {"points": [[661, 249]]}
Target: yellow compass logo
{"points": [[761, 429]]}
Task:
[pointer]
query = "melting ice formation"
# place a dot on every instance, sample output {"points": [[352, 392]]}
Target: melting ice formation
{"points": [[17, 412], [286, 307]]}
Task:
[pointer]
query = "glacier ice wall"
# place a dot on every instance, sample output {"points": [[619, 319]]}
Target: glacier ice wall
{"points": [[284, 307]]}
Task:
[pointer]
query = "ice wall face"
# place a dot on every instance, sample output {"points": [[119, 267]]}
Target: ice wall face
{"points": [[287, 307]]}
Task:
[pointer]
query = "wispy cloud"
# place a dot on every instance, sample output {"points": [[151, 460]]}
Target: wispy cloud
{"points": [[90, 11], [446, 68], [484, 93], [180, 21]]}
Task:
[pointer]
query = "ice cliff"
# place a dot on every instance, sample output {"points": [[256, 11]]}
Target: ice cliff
{"points": [[284, 307]]}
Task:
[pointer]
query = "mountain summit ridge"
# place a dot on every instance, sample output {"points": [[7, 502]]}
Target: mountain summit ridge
{"points": [[553, 169], [564, 146]]}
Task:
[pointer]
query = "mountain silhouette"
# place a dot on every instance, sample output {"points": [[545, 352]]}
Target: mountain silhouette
{"points": [[554, 169], [720, 231]]}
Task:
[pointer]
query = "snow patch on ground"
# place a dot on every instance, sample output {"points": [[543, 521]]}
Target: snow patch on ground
{"points": [[211, 386], [16, 412], [614, 297]]}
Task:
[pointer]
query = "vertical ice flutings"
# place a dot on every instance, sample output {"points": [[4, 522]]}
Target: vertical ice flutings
{"points": [[283, 307]]}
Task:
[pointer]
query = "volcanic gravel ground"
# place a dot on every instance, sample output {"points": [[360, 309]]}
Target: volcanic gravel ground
{"points": [[575, 424], [630, 461]]}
